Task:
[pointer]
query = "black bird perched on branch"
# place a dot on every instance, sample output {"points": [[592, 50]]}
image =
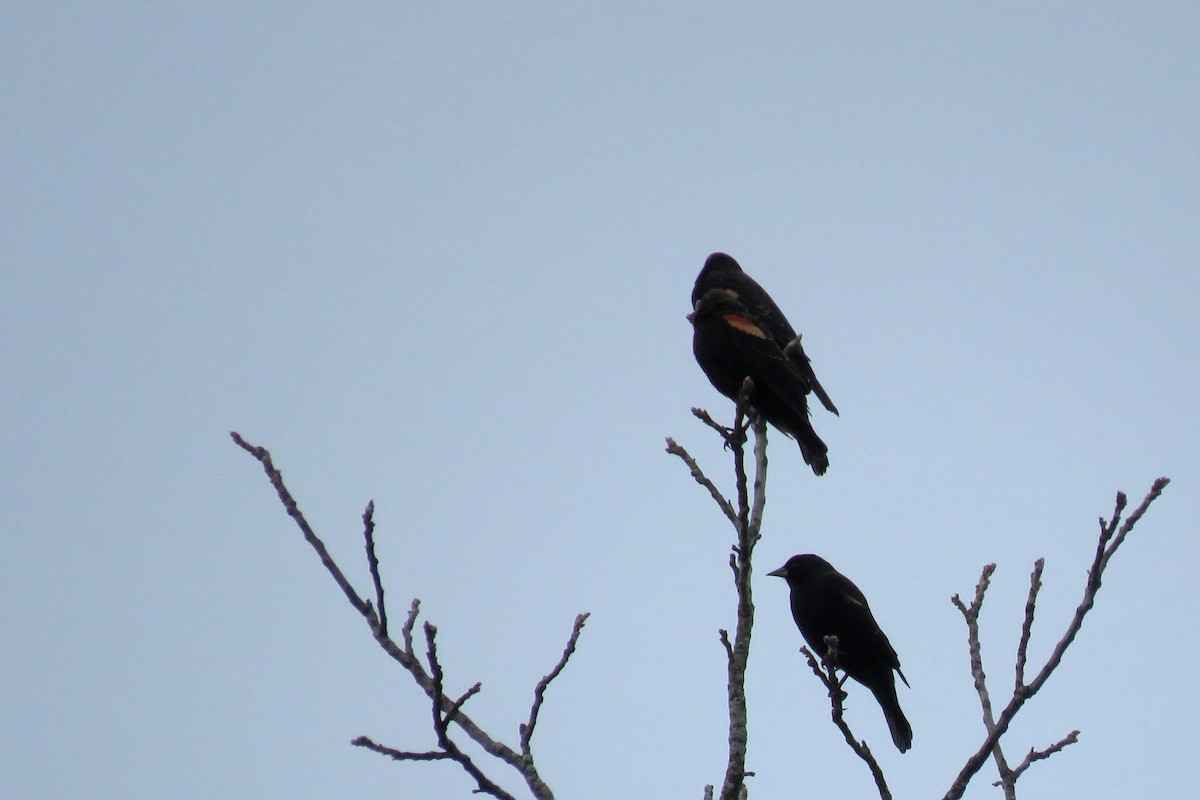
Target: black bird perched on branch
{"points": [[827, 603], [721, 271], [739, 332]]}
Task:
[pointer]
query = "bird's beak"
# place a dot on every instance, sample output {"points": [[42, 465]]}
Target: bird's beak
{"points": [[691, 317], [779, 573]]}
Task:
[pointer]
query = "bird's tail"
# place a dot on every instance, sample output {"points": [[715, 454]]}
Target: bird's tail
{"points": [[814, 451], [897, 723]]}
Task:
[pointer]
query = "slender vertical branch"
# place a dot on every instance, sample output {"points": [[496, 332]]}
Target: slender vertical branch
{"points": [[746, 517], [975, 648], [759, 426], [737, 656], [749, 520], [368, 519], [1035, 585]]}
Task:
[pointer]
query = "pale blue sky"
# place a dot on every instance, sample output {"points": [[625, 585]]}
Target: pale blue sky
{"points": [[440, 255]]}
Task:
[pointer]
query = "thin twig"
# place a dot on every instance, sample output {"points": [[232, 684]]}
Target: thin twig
{"points": [[741, 483], [759, 426], [1035, 585], [457, 705], [401, 755], [728, 434], [723, 635], [1155, 490], [441, 721], [975, 648], [1094, 576], [741, 424], [406, 631], [698, 474], [539, 692], [368, 519], [293, 510], [828, 676], [1039, 755]]}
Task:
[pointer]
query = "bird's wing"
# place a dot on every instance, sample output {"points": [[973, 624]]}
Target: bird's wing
{"points": [[795, 353], [765, 314], [763, 309], [780, 376], [852, 605]]}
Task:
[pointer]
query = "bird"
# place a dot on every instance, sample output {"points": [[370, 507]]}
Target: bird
{"points": [[827, 603], [721, 271], [732, 341]]}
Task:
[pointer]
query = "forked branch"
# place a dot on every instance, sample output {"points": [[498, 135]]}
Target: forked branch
{"points": [[445, 711], [1112, 535]]}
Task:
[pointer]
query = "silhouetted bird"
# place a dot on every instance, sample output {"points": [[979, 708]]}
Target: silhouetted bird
{"points": [[731, 342], [827, 603], [721, 271]]}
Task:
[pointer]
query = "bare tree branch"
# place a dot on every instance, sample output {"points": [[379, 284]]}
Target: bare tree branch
{"points": [[368, 518], [733, 786], [759, 504], [1035, 585], [452, 712], [539, 692], [698, 474], [1112, 535], [723, 635], [444, 710], [837, 696], [747, 522], [400, 755], [1095, 573], [289, 504], [727, 434], [440, 722], [747, 519], [413, 609], [1039, 755], [975, 648]]}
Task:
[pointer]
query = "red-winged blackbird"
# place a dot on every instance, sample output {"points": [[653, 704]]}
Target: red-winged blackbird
{"points": [[732, 343], [721, 271], [826, 603]]}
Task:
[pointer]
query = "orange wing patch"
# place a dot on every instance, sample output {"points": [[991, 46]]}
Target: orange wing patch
{"points": [[744, 325]]}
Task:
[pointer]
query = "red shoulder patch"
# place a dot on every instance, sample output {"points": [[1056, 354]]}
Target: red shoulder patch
{"points": [[744, 325]]}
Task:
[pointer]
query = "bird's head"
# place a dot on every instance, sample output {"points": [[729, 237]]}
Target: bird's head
{"points": [[720, 262], [801, 568], [719, 270]]}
